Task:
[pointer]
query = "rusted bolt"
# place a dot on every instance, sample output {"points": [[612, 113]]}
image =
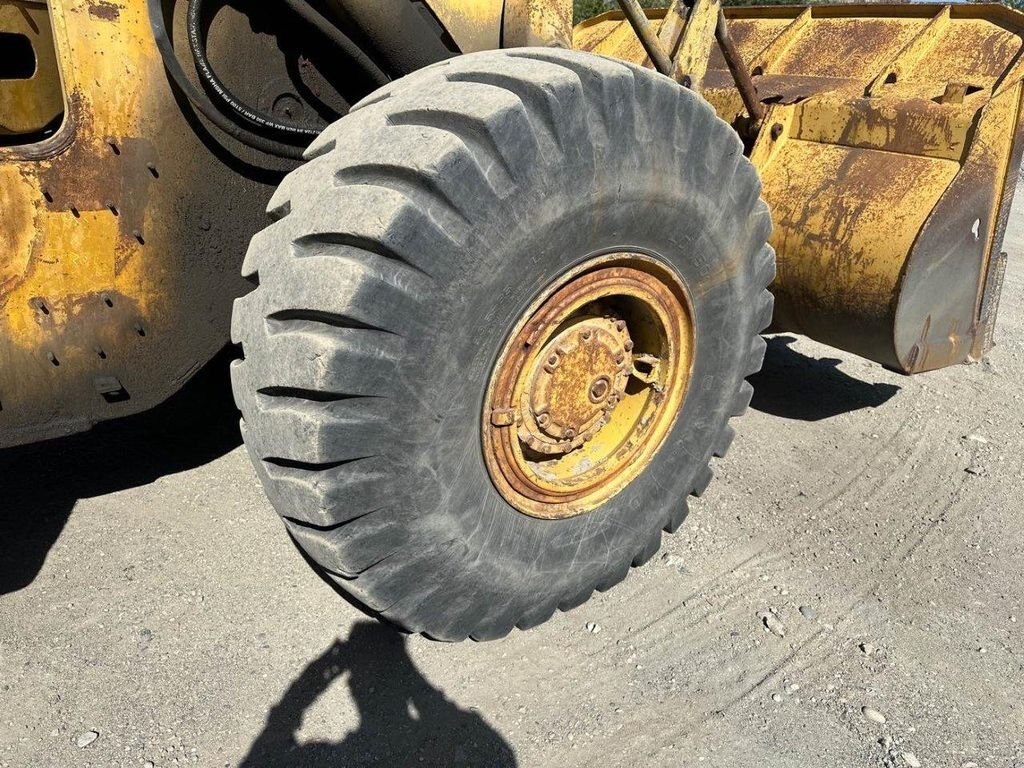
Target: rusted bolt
{"points": [[503, 417], [599, 390], [620, 325], [543, 419], [620, 359], [777, 130], [587, 334], [628, 346], [570, 434]]}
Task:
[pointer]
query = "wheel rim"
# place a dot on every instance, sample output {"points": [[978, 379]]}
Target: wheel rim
{"points": [[588, 385]]}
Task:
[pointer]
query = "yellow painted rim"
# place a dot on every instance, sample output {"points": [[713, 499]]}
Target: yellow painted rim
{"points": [[588, 385]]}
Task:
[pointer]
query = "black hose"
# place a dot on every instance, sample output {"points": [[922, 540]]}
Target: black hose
{"points": [[200, 100], [261, 122], [329, 30]]}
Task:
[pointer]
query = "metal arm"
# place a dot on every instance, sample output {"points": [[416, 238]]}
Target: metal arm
{"points": [[667, 65]]}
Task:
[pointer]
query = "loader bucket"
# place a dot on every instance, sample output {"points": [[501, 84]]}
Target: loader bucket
{"points": [[889, 157]]}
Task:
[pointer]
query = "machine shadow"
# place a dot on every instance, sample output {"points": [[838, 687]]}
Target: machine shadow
{"points": [[795, 386], [41, 483], [403, 719]]}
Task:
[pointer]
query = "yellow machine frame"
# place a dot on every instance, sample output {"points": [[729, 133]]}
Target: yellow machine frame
{"points": [[888, 151]]}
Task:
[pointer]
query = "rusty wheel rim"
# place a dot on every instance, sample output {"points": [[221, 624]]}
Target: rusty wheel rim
{"points": [[588, 386]]}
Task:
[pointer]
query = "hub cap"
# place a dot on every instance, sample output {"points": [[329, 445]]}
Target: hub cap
{"points": [[588, 386]]}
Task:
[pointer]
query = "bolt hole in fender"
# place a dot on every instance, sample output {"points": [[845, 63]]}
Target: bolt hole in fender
{"points": [[478, 318]]}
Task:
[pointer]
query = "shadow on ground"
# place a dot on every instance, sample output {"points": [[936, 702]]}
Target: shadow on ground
{"points": [[795, 386], [40, 484], [403, 719]]}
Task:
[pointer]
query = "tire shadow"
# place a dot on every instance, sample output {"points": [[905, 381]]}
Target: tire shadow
{"points": [[795, 386], [40, 484], [403, 719]]}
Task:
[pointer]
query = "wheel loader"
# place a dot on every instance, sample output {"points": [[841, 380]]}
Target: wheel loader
{"points": [[495, 282]]}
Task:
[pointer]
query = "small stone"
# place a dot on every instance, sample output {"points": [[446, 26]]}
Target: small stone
{"points": [[911, 760], [977, 439], [886, 743], [873, 715], [772, 623], [867, 648], [983, 650], [974, 470], [808, 612], [149, 764], [593, 627], [969, 764], [673, 561], [776, 697], [87, 738], [794, 688]]}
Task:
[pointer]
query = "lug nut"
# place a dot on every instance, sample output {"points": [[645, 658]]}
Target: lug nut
{"points": [[599, 390], [620, 325], [628, 346]]}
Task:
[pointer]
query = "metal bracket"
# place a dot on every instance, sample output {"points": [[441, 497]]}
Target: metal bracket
{"points": [[690, 47]]}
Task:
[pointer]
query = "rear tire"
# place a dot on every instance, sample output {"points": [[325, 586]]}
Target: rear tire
{"points": [[402, 255]]}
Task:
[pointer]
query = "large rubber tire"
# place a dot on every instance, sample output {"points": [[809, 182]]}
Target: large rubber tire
{"points": [[402, 255]]}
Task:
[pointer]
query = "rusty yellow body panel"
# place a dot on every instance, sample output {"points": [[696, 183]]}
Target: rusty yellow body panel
{"points": [[537, 22], [117, 268], [486, 25], [888, 158], [475, 25]]}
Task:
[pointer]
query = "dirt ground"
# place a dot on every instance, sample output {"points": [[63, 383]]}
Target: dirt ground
{"points": [[153, 612]]}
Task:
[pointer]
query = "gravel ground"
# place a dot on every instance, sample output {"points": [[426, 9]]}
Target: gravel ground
{"points": [[847, 593]]}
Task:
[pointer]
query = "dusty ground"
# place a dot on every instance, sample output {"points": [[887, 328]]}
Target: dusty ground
{"points": [[148, 594]]}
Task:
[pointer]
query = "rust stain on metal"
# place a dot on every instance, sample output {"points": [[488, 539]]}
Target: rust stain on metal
{"points": [[891, 174], [102, 9]]}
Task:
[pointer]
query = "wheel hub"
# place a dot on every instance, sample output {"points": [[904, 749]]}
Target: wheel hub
{"points": [[559, 411], [588, 386]]}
